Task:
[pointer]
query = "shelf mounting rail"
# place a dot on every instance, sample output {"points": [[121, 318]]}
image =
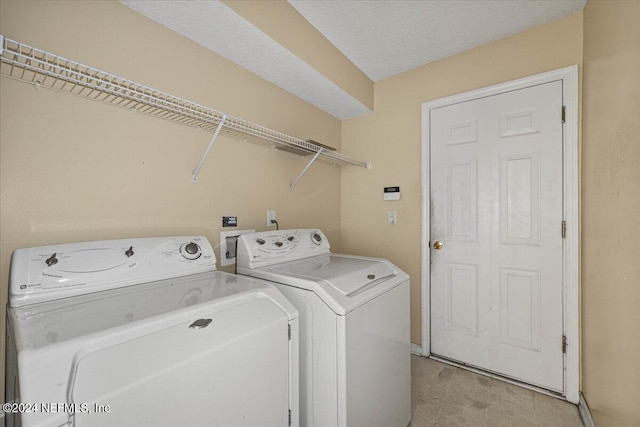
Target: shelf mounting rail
{"points": [[28, 64]]}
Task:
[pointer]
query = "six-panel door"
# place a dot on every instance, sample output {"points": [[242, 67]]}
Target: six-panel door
{"points": [[496, 206]]}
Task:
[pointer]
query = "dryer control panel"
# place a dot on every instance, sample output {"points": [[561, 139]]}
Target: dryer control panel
{"points": [[53, 272], [272, 247]]}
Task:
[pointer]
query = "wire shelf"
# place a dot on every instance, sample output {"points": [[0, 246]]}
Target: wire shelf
{"points": [[46, 70]]}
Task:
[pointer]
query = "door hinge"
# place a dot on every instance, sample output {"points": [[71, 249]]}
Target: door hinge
{"points": [[289, 416], [564, 113], [564, 344], [289, 333], [564, 229]]}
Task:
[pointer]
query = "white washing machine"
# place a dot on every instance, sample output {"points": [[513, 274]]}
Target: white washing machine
{"points": [[145, 332], [354, 327]]}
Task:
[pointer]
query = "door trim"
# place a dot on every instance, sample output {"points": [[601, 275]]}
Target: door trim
{"points": [[570, 251]]}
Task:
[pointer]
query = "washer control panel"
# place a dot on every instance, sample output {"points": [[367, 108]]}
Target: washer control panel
{"points": [[53, 272], [272, 247]]}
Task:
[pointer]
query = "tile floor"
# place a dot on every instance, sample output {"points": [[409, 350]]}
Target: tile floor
{"points": [[443, 395]]}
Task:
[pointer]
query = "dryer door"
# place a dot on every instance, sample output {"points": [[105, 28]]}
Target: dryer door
{"points": [[189, 370]]}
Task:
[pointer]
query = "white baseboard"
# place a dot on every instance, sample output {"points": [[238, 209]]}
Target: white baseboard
{"points": [[416, 349], [585, 414]]}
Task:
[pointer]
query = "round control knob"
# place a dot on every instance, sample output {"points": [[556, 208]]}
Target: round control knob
{"points": [[191, 251], [260, 241], [51, 260], [278, 244], [290, 238], [316, 238]]}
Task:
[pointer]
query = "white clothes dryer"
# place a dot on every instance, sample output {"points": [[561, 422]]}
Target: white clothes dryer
{"points": [[354, 327], [146, 332]]}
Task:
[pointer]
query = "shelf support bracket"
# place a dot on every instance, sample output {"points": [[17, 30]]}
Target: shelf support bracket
{"points": [[206, 152], [306, 168]]}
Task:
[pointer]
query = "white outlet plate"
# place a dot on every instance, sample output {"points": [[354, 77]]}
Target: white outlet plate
{"points": [[271, 215], [223, 245], [391, 217]]}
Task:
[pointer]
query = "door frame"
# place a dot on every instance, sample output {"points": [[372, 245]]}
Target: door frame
{"points": [[570, 249]]}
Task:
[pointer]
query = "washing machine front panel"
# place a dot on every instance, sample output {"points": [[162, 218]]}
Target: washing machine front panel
{"points": [[377, 362]]}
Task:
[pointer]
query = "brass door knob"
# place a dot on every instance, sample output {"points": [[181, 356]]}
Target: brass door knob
{"points": [[437, 244]]}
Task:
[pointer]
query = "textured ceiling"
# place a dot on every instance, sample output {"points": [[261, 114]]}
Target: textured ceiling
{"points": [[382, 38], [218, 28]]}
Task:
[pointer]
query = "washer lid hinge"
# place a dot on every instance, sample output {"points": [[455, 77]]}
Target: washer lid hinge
{"points": [[289, 416], [564, 229], [564, 344], [289, 332], [564, 113]]}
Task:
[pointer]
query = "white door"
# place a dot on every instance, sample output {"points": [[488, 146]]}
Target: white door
{"points": [[496, 208]]}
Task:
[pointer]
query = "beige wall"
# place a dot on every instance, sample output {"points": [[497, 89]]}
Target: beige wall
{"points": [[611, 212], [73, 170], [390, 139]]}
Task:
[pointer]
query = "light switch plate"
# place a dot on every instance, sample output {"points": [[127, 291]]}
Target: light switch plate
{"points": [[391, 217]]}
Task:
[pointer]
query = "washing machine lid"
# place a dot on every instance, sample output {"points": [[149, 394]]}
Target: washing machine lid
{"points": [[57, 321], [209, 373], [347, 275]]}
